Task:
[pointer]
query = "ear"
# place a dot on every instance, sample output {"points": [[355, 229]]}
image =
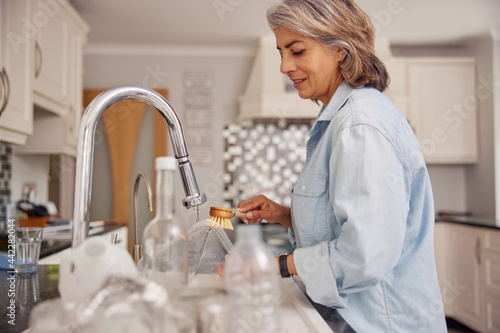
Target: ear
{"points": [[340, 54]]}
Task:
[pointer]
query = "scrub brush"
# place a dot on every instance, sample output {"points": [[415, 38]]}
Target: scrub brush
{"points": [[222, 216]]}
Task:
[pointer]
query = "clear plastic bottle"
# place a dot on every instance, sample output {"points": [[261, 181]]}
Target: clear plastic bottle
{"points": [[252, 282], [164, 239]]}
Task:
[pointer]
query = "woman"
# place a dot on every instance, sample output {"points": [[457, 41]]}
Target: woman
{"points": [[362, 215]]}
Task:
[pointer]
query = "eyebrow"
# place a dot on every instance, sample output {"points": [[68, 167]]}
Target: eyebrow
{"points": [[289, 44]]}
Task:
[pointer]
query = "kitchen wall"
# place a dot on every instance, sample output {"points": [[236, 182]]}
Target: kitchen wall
{"points": [[230, 73], [456, 187], [5, 179], [166, 68], [472, 187], [482, 177], [16, 171], [30, 169]]}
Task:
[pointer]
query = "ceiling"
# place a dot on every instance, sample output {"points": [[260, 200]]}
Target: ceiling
{"points": [[242, 22]]}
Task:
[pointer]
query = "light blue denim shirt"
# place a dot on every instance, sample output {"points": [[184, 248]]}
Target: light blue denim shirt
{"points": [[363, 218]]}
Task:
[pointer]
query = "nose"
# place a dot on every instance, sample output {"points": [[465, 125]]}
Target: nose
{"points": [[287, 65]]}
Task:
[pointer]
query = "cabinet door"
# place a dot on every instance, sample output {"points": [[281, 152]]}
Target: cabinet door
{"points": [[75, 108], [491, 291], [16, 64], [465, 276], [56, 122], [443, 108], [51, 53], [441, 255], [490, 258]]}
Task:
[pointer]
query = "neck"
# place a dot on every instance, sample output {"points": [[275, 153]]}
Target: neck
{"points": [[165, 194], [336, 84]]}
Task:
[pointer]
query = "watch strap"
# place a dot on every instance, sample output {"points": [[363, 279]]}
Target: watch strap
{"points": [[283, 266]]}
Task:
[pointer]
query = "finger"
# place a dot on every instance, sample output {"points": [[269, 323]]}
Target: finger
{"points": [[256, 215], [252, 203], [220, 270], [257, 221]]}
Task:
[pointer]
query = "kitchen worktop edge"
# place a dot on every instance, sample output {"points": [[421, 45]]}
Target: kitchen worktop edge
{"points": [[475, 221]]}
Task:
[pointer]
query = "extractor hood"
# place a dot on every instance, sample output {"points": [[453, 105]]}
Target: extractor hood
{"points": [[266, 94]]}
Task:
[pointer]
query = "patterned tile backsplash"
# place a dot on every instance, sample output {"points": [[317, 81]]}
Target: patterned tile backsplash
{"points": [[264, 157], [5, 177]]}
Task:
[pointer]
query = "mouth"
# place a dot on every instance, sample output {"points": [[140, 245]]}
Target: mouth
{"points": [[297, 83]]}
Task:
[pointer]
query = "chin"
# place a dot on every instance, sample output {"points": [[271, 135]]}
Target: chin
{"points": [[304, 95]]}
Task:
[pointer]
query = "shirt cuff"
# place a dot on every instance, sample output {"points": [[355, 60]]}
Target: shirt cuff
{"points": [[313, 267]]}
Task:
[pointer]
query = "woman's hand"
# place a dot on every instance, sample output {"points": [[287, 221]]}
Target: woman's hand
{"points": [[261, 208]]}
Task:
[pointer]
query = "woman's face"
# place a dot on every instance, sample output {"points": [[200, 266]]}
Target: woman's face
{"points": [[314, 70]]}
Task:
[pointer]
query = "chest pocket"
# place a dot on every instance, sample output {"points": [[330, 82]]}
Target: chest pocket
{"points": [[309, 208]]}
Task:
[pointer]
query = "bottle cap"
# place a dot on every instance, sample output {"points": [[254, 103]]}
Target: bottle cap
{"points": [[248, 232], [166, 163]]}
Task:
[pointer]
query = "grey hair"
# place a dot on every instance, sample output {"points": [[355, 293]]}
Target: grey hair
{"points": [[337, 24]]}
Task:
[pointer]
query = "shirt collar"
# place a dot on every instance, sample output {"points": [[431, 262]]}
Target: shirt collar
{"points": [[338, 100]]}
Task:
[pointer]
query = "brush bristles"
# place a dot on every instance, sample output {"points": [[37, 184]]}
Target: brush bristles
{"points": [[223, 222]]}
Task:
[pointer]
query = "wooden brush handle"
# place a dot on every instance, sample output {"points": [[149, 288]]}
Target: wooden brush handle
{"points": [[226, 213], [240, 214]]}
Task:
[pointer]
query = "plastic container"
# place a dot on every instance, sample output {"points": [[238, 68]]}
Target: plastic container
{"points": [[164, 240], [208, 245], [252, 282]]}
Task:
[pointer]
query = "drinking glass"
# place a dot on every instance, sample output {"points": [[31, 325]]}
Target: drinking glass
{"points": [[28, 242]]}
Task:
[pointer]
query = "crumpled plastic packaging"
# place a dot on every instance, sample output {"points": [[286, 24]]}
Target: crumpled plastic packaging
{"points": [[122, 304], [208, 245]]}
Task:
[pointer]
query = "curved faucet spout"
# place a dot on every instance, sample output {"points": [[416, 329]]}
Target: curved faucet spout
{"points": [[85, 152]]}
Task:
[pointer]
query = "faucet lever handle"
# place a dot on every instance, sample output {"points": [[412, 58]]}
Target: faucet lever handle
{"points": [[113, 238]]}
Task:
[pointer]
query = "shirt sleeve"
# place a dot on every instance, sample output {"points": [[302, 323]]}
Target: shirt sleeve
{"points": [[369, 190]]}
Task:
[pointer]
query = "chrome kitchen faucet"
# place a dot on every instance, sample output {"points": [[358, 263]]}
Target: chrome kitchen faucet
{"points": [[85, 152]]}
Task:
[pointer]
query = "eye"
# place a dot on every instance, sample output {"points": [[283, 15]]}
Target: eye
{"points": [[298, 52]]}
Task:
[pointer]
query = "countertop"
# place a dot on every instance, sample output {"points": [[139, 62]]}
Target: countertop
{"points": [[31, 289], [51, 246], [299, 314], [26, 291], [476, 221]]}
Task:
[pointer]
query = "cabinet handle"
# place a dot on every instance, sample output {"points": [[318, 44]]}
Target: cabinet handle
{"points": [[38, 60], [71, 119], [477, 251], [2, 91], [5, 90]]}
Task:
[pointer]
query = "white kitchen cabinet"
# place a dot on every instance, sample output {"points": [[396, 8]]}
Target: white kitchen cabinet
{"points": [[468, 262], [442, 108], [491, 288], [443, 266], [58, 86], [51, 54], [78, 33], [465, 275], [16, 54]]}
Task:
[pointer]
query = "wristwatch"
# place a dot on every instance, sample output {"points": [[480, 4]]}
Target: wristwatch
{"points": [[283, 265]]}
